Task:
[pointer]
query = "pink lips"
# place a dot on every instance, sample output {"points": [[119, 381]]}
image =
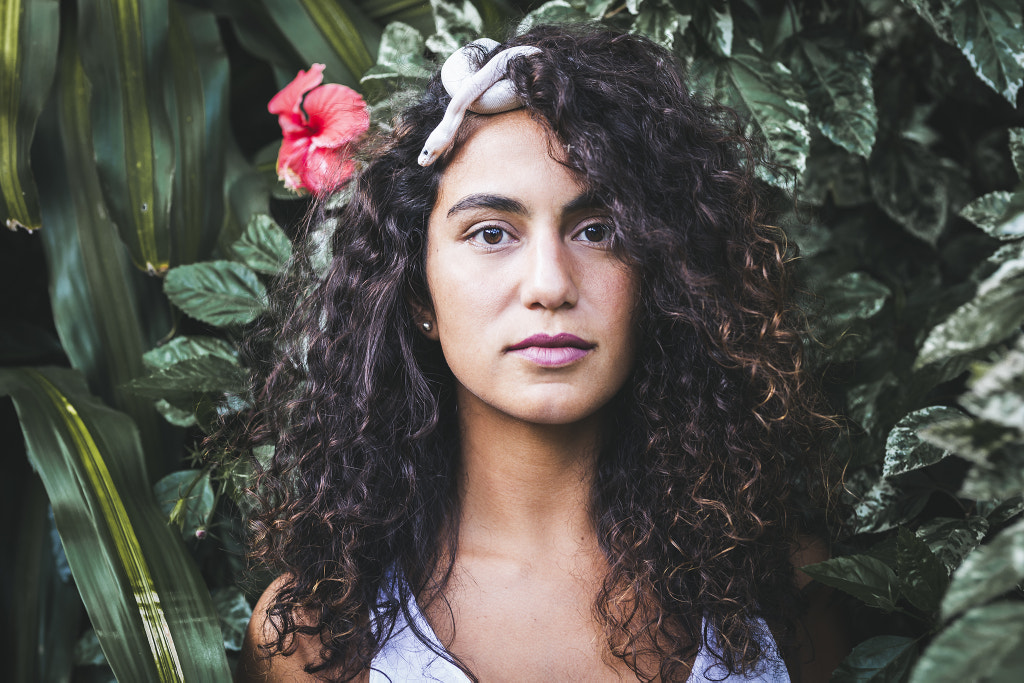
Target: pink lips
{"points": [[551, 351]]}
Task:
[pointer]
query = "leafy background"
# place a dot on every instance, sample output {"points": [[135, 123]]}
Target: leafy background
{"points": [[137, 154]]}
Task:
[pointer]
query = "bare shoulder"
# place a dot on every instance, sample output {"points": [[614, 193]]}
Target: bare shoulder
{"points": [[256, 663]]}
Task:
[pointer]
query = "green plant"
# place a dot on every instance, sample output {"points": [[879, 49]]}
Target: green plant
{"points": [[897, 126]]}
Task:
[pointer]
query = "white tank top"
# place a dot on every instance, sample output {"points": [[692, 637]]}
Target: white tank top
{"points": [[405, 658]]}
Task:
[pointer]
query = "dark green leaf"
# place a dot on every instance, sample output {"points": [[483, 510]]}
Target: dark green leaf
{"points": [[996, 311], [837, 80], [997, 391], [951, 539], [216, 292], [186, 499], [234, 613], [659, 21], [923, 578], [264, 246], [183, 348], [552, 12], [1000, 214], [904, 449], [1017, 150], [988, 572], [713, 21], [911, 185], [98, 297], [866, 578], [175, 415], [597, 8], [400, 55], [28, 43], [990, 33], [882, 659], [767, 92], [144, 595], [196, 90], [122, 44], [884, 506], [973, 647], [832, 171], [198, 374], [456, 24], [331, 32]]}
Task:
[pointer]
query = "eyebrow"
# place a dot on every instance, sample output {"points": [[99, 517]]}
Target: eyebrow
{"points": [[499, 202]]}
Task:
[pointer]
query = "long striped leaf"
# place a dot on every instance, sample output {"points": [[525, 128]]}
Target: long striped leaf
{"points": [[98, 298], [122, 46], [333, 32], [28, 56], [145, 597], [197, 97]]}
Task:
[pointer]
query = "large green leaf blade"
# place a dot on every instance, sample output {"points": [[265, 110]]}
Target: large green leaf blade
{"points": [[991, 36], [882, 659], [197, 97], [837, 80], [96, 295], [28, 57], [770, 97], [333, 32], [145, 597], [217, 292], [122, 46], [988, 572], [975, 647], [865, 578]]}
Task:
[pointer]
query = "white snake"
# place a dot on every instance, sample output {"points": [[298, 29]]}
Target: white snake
{"points": [[485, 92]]}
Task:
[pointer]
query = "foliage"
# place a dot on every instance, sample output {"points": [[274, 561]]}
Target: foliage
{"points": [[150, 177]]}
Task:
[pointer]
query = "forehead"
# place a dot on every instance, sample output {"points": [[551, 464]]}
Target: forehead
{"points": [[507, 154]]}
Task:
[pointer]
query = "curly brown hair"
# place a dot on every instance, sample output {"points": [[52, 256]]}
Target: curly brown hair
{"points": [[716, 448]]}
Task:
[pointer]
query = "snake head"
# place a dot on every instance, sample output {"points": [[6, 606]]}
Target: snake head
{"points": [[427, 157]]}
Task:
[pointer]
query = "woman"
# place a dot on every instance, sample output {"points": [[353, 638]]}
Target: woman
{"points": [[544, 417]]}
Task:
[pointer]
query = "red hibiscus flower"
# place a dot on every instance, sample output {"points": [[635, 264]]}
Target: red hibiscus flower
{"points": [[319, 123]]}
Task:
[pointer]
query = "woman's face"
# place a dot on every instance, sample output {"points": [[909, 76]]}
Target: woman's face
{"points": [[533, 311]]}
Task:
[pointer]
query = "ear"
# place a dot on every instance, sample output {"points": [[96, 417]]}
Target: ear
{"points": [[423, 318]]}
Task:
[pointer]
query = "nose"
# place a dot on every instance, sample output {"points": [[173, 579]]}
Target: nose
{"points": [[548, 278]]}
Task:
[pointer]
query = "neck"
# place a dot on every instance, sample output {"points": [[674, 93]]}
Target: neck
{"points": [[525, 488]]}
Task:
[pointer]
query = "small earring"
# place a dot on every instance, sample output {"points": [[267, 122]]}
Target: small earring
{"points": [[427, 327]]}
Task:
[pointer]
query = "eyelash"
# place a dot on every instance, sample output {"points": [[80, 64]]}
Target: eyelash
{"points": [[477, 235]]}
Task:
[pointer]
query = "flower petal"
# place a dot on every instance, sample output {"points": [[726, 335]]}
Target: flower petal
{"points": [[326, 170], [291, 162], [337, 114], [290, 97]]}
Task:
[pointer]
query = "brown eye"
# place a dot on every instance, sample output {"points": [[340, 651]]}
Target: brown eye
{"points": [[492, 235], [595, 232]]}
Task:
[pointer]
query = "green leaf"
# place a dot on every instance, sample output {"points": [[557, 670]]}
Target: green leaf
{"points": [[882, 659], [183, 348], [400, 55], [837, 80], [991, 36], [923, 578], [974, 647], [178, 417], [97, 296], [951, 539], [904, 449], [834, 172], [866, 578], [996, 312], [911, 185], [850, 299], [122, 44], [884, 506], [1000, 214], [216, 292], [264, 246], [1017, 150], [456, 25], [186, 499], [996, 451], [661, 22], [28, 58], [234, 613], [552, 12], [768, 94], [333, 32], [199, 374], [144, 595], [988, 572], [197, 98], [88, 651], [997, 391], [713, 21]]}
